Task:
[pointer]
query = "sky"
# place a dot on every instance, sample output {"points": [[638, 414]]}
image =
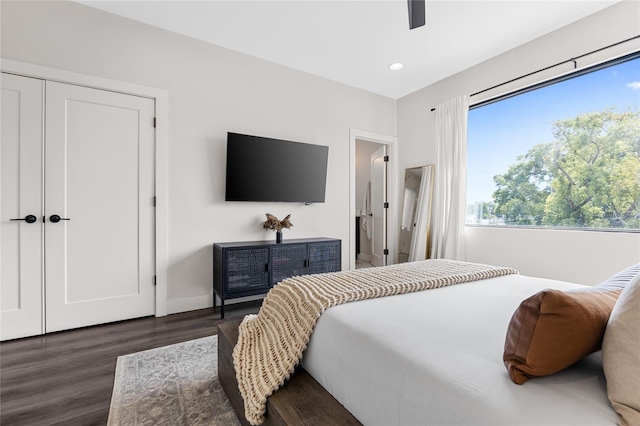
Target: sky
{"points": [[500, 132]]}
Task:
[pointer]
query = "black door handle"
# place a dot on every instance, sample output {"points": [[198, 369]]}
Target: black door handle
{"points": [[28, 218], [55, 218]]}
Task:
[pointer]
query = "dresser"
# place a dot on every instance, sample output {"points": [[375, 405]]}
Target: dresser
{"points": [[251, 268]]}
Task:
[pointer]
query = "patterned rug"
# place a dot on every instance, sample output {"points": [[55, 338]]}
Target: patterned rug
{"points": [[173, 385]]}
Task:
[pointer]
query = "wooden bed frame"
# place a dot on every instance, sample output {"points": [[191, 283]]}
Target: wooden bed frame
{"points": [[301, 401]]}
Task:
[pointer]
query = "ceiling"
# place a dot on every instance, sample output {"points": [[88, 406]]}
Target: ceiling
{"points": [[354, 42]]}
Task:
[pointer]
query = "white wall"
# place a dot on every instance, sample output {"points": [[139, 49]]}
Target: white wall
{"points": [[211, 90], [585, 257]]}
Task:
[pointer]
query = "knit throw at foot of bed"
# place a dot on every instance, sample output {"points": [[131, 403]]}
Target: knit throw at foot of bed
{"points": [[271, 343]]}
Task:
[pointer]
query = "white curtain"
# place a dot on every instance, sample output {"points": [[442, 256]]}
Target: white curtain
{"points": [[449, 202], [418, 250]]}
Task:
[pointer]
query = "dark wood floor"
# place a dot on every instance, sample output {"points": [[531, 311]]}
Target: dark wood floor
{"points": [[66, 378]]}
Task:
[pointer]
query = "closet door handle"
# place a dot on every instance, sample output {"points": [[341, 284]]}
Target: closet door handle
{"points": [[28, 218], [55, 218]]}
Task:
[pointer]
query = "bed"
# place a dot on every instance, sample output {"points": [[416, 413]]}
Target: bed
{"points": [[435, 357], [431, 357]]}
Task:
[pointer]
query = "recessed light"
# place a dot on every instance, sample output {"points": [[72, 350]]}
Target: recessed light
{"points": [[396, 67]]}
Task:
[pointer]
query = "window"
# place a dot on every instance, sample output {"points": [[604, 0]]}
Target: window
{"points": [[562, 154]]}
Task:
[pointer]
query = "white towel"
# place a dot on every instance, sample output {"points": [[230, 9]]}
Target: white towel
{"points": [[366, 210]]}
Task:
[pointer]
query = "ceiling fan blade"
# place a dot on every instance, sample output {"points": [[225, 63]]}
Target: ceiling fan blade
{"points": [[417, 15]]}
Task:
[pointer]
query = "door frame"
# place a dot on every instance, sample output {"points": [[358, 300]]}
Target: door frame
{"points": [[161, 99], [392, 190]]}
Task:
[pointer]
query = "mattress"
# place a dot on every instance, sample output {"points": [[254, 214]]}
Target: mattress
{"points": [[435, 358]]}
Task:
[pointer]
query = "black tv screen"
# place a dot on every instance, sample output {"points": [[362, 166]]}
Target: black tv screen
{"points": [[264, 169]]}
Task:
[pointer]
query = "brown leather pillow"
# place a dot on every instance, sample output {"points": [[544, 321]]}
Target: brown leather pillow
{"points": [[553, 329]]}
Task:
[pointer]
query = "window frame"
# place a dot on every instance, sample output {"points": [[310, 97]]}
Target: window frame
{"points": [[571, 75]]}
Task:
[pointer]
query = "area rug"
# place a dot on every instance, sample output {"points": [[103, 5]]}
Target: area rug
{"points": [[172, 385]]}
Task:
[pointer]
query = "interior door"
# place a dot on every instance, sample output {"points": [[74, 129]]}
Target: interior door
{"points": [[21, 229], [99, 188], [378, 200]]}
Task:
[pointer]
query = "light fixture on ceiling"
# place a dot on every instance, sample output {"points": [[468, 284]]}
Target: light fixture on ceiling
{"points": [[396, 66]]}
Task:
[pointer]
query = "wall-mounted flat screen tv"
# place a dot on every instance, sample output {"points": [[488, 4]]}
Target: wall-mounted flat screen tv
{"points": [[265, 169]]}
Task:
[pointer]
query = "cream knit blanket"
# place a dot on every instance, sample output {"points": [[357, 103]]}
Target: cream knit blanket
{"points": [[270, 344]]}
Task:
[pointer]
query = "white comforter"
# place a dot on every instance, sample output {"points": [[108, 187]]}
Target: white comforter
{"points": [[435, 357]]}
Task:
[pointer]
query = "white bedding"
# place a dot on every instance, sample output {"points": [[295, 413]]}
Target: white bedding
{"points": [[435, 357]]}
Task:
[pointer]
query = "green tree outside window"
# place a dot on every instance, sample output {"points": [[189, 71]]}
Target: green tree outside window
{"points": [[588, 176]]}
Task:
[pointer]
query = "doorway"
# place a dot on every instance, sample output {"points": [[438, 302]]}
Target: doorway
{"points": [[160, 166], [77, 206], [372, 189], [371, 194]]}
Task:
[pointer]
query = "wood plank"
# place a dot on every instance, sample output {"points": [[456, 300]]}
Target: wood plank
{"points": [[301, 401], [67, 377]]}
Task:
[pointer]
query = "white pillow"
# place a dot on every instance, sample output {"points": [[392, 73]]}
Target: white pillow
{"points": [[621, 354]]}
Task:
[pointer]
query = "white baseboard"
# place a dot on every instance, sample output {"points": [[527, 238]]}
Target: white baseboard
{"points": [[185, 304]]}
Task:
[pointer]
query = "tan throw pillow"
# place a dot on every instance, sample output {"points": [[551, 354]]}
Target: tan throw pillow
{"points": [[553, 329], [621, 355]]}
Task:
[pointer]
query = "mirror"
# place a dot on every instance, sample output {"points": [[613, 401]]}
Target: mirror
{"points": [[415, 221]]}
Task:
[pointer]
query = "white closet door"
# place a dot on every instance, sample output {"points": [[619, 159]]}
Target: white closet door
{"points": [[99, 264], [378, 199], [21, 196]]}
